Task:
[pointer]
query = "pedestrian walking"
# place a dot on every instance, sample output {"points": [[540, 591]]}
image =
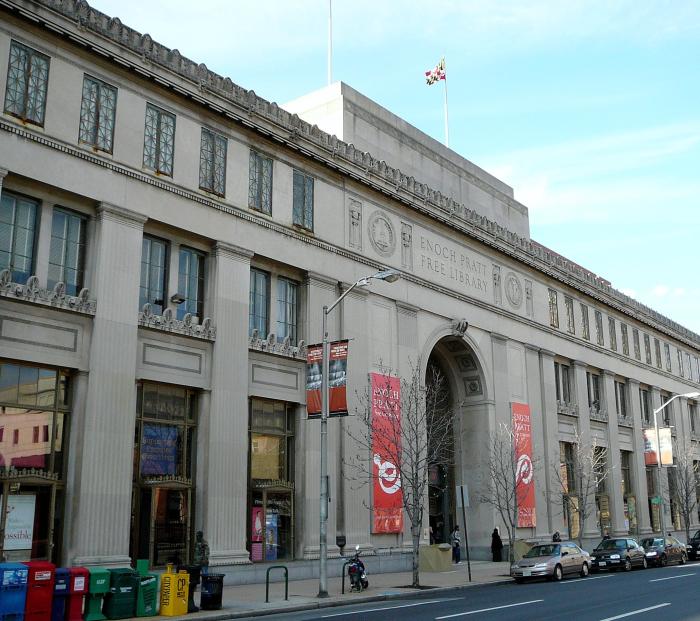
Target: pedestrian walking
{"points": [[556, 537], [456, 541], [201, 553], [496, 545]]}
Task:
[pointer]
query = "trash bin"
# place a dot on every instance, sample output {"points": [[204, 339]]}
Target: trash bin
{"points": [[194, 571], [13, 589], [120, 601], [147, 599], [60, 594], [99, 587], [174, 588], [79, 580], [212, 591], [39, 590]]}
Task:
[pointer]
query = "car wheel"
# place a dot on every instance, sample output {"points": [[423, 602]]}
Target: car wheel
{"points": [[558, 574], [584, 569], [628, 564], [518, 580], [644, 563], [664, 561], [683, 559]]}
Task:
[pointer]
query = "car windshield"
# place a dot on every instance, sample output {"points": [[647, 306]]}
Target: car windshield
{"points": [[696, 535], [612, 544], [650, 542], [543, 550]]}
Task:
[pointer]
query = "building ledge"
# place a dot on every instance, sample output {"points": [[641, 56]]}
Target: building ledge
{"points": [[55, 298], [187, 326], [272, 345]]}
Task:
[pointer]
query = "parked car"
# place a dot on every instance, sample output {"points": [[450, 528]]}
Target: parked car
{"points": [[552, 561], [693, 546], [660, 552], [618, 553]]}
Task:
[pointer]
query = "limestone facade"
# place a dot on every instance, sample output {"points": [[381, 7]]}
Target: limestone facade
{"points": [[159, 427]]}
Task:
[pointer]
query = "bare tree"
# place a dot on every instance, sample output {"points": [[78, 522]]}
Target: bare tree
{"points": [[580, 476], [417, 435], [504, 471], [685, 482]]}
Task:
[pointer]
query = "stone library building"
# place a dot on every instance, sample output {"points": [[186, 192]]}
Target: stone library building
{"points": [[168, 241]]}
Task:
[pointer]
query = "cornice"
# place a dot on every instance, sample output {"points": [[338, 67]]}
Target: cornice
{"points": [[322, 281], [80, 23], [231, 251], [120, 214]]}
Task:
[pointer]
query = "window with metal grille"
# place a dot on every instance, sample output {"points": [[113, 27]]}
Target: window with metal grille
{"points": [[287, 309], [260, 183], [159, 140], [621, 398], [191, 282], [570, 323], [667, 352], [585, 323], [27, 81], [97, 110], [212, 162], [17, 232], [613, 333], [657, 352], [154, 270], [303, 201], [599, 336], [680, 363], [625, 339], [635, 338], [259, 298], [67, 253], [553, 309], [562, 383], [647, 349]]}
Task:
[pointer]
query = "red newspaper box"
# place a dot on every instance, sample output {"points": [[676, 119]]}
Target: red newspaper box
{"points": [[77, 589], [39, 590]]}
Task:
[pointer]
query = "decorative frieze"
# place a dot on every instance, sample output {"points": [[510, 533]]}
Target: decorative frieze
{"points": [[568, 409], [187, 326], [272, 345], [55, 298], [598, 414]]}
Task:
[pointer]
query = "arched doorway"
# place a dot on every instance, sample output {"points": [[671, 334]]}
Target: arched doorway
{"points": [[459, 363]]}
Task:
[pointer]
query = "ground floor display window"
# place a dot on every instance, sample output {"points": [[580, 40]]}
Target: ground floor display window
{"points": [[603, 512], [441, 505], [271, 482], [163, 493], [34, 413]]}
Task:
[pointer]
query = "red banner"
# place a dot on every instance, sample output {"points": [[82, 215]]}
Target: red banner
{"points": [[524, 477], [651, 448], [386, 444], [337, 379]]}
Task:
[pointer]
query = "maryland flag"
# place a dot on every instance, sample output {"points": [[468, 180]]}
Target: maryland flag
{"points": [[437, 73]]}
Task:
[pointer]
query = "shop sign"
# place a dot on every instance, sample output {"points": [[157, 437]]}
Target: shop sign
{"points": [[386, 447], [158, 449], [651, 447], [337, 379], [19, 524], [524, 476]]}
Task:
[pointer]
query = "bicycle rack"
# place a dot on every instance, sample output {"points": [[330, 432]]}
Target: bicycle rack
{"points": [[286, 582]]}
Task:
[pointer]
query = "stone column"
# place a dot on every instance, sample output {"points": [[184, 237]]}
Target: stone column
{"points": [[640, 476], [589, 527], [537, 410], [3, 173], [201, 507], [226, 460], [550, 420], [614, 480], [321, 291], [100, 529]]}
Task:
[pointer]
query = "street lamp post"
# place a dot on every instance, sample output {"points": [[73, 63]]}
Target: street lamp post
{"points": [[689, 395], [388, 276]]}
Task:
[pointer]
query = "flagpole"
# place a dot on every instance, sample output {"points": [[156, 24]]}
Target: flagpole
{"points": [[330, 42], [447, 125]]}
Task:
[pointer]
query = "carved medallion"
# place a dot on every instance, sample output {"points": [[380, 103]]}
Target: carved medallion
{"points": [[514, 291], [381, 234]]}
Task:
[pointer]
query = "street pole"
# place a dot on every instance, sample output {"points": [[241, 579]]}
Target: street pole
{"points": [[323, 509], [658, 473], [388, 275], [466, 533]]}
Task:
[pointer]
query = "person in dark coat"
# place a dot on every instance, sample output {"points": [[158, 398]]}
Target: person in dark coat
{"points": [[496, 545]]}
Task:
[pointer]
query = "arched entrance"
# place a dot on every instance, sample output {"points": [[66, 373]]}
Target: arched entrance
{"points": [[459, 363]]}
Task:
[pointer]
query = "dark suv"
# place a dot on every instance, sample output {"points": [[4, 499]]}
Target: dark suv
{"points": [[620, 553], [693, 546]]}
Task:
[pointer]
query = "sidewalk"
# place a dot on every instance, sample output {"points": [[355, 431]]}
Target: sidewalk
{"points": [[249, 600]]}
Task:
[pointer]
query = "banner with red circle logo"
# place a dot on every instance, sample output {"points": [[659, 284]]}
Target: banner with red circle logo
{"points": [[524, 479], [386, 444]]}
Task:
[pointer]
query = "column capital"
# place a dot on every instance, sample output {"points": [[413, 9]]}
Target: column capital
{"points": [[499, 337], [607, 373], [230, 251], [3, 173], [633, 382], [545, 353], [319, 280], [533, 348], [579, 363], [116, 213]]}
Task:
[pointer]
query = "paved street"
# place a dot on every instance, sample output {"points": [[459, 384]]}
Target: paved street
{"points": [[669, 593]]}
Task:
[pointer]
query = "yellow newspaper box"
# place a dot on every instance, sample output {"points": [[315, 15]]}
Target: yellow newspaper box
{"points": [[174, 589]]}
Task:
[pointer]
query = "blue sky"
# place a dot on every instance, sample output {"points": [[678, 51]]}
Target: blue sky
{"points": [[589, 109]]}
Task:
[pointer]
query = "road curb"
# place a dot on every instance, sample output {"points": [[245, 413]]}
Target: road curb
{"points": [[223, 615]]}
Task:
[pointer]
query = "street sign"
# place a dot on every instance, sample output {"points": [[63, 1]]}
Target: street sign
{"points": [[462, 491]]}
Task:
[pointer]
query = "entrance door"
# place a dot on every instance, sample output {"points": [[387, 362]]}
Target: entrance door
{"points": [[271, 526]]}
